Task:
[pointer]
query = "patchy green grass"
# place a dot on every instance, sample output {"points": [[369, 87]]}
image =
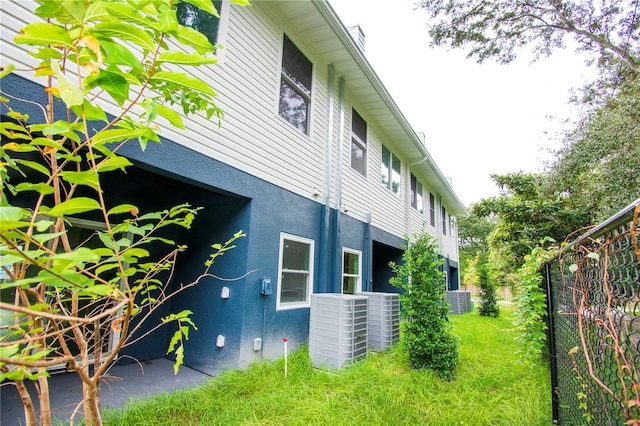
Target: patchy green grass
{"points": [[492, 387]]}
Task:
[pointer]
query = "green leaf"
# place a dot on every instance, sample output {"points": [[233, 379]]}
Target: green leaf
{"points": [[127, 13], [70, 94], [88, 178], [74, 206], [594, 256], [90, 111], [123, 208], [573, 268], [182, 58], [126, 32], [174, 118], [120, 55], [183, 80], [115, 84], [97, 290], [63, 128], [50, 143], [137, 252], [116, 135], [168, 21], [193, 38], [114, 163], [19, 147], [43, 34], [71, 12], [78, 256], [6, 70], [41, 188], [35, 166]]}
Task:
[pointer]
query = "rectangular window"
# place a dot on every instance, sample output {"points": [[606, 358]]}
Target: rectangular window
{"points": [[432, 209], [351, 272], [358, 143], [296, 272], [452, 225], [416, 194], [444, 220], [192, 16], [390, 170], [295, 87]]}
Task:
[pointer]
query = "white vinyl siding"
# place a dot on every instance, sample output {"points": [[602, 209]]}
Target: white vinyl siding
{"points": [[363, 195], [252, 135]]}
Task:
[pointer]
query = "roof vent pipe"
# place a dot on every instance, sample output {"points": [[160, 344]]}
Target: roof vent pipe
{"points": [[358, 35]]}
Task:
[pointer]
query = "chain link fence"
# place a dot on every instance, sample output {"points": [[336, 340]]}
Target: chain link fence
{"points": [[594, 325]]}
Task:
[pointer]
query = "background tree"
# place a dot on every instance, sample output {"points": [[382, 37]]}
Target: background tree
{"points": [[608, 30], [473, 233], [488, 303], [598, 165], [68, 298], [427, 334], [527, 213]]}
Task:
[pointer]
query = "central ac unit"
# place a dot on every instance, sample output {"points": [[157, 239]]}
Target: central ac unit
{"points": [[384, 320], [337, 329]]}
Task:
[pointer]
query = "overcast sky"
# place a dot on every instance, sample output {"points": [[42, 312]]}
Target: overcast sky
{"points": [[478, 119]]}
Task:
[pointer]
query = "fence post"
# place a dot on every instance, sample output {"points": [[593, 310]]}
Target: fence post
{"points": [[553, 366]]}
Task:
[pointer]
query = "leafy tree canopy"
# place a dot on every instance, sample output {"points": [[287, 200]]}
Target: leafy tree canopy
{"points": [[527, 213], [598, 166], [607, 29]]}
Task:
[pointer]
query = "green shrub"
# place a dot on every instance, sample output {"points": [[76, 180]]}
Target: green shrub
{"points": [[488, 304], [531, 302], [427, 333]]}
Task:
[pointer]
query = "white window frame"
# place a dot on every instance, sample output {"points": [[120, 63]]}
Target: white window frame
{"points": [[308, 97], [417, 193], [389, 184], [295, 305], [358, 276], [361, 144]]}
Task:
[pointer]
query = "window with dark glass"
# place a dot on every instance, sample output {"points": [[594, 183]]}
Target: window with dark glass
{"points": [[295, 87], [432, 209], [192, 16], [416, 193], [390, 170], [444, 220], [358, 143]]}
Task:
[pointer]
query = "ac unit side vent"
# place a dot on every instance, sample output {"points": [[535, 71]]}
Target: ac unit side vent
{"points": [[384, 320]]}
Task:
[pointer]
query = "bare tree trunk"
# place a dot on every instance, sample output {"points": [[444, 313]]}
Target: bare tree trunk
{"points": [[91, 403], [44, 397], [27, 403]]}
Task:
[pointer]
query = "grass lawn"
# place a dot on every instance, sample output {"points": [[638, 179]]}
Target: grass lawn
{"points": [[492, 387]]}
